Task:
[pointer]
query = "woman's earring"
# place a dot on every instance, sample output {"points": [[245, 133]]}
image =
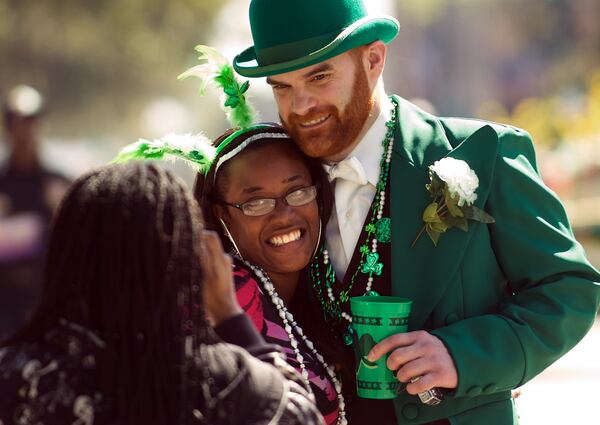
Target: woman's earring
{"points": [[228, 234], [318, 240]]}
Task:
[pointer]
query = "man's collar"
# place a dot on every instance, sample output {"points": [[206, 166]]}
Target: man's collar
{"points": [[369, 150]]}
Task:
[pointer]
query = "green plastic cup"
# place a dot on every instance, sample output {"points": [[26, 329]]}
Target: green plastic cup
{"points": [[373, 319]]}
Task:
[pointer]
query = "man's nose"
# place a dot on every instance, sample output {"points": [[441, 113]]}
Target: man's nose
{"points": [[303, 102]]}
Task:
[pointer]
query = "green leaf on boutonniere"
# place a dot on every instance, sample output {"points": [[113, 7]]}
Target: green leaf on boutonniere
{"points": [[439, 227], [430, 215], [435, 228], [433, 235], [459, 222], [436, 185], [477, 214], [452, 204]]}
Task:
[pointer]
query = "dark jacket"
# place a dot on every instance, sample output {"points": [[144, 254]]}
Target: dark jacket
{"points": [[53, 381]]}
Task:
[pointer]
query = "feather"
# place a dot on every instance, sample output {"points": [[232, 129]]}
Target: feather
{"points": [[219, 71], [196, 150], [211, 55], [205, 72]]}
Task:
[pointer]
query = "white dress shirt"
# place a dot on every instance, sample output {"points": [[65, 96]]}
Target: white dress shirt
{"points": [[355, 181]]}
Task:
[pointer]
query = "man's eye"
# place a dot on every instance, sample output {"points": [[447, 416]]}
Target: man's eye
{"points": [[320, 77], [280, 87]]}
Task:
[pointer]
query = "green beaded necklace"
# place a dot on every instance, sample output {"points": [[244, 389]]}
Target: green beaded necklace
{"points": [[378, 230]]}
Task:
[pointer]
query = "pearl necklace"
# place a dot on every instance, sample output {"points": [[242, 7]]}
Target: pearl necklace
{"points": [[378, 230], [368, 291], [290, 326]]}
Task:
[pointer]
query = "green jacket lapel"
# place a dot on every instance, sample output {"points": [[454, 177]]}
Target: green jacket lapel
{"points": [[422, 272]]}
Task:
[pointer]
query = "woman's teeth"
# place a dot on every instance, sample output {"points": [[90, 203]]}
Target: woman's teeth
{"points": [[315, 121], [285, 239]]}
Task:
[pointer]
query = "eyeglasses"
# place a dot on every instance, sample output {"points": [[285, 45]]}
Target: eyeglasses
{"points": [[262, 206]]}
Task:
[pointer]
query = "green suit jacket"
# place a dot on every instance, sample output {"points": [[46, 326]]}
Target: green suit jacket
{"points": [[507, 299]]}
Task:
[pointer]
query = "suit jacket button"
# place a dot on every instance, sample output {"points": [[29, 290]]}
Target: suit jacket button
{"points": [[474, 391], [451, 318], [410, 411]]}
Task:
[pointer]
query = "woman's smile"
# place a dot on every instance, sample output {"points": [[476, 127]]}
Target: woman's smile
{"points": [[286, 238]]}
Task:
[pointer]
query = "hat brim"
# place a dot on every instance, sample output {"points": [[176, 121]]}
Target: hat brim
{"points": [[364, 31]]}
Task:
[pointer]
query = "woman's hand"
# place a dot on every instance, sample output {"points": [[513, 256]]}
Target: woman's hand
{"points": [[218, 290]]}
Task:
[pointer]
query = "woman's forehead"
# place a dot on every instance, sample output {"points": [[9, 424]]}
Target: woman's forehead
{"points": [[273, 163], [277, 154]]}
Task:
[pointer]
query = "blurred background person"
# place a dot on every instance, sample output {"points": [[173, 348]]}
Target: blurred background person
{"points": [[29, 193]]}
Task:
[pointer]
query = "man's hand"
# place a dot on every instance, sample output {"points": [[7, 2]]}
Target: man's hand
{"points": [[415, 354]]}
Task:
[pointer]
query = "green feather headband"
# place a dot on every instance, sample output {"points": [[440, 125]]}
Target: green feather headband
{"points": [[198, 150], [195, 150]]}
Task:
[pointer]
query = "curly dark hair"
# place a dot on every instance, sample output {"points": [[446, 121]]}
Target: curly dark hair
{"points": [[124, 261]]}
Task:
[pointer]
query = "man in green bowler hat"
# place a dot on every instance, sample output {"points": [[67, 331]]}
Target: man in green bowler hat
{"points": [[494, 302]]}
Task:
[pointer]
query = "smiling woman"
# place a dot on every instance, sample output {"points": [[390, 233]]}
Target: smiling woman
{"points": [[266, 199], [283, 237]]}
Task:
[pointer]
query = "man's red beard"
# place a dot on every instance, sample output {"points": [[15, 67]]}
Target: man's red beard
{"points": [[341, 130]]}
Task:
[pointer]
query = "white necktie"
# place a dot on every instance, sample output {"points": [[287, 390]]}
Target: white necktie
{"points": [[351, 191], [349, 169]]}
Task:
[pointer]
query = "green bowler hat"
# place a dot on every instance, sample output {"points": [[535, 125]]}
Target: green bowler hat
{"points": [[293, 34]]}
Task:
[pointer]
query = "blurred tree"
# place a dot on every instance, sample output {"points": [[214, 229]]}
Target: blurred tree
{"points": [[98, 61]]}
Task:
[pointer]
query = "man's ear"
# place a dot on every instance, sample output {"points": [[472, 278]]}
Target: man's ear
{"points": [[374, 57]]}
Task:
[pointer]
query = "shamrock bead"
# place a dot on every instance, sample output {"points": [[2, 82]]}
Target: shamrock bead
{"points": [[383, 231], [371, 294], [372, 266], [348, 338]]}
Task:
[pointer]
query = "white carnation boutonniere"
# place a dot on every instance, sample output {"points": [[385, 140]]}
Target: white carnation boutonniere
{"points": [[452, 185]]}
